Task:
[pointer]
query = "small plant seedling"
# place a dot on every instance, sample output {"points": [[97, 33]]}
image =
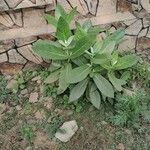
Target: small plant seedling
{"points": [[27, 132]]}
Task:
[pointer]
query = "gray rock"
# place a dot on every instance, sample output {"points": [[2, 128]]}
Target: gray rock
{"points": [[24, 41], [127, 44], [33, 97], [28, 53], [3, 58], [134, 28], [66, 131], [143, 32], [15, 57], [146, 5], [6, 45]]}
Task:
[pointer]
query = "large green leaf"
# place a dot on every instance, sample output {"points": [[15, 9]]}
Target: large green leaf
{"points": [[54, 76], [126, 62], [71, 15], [63, 31], [116, 36], [49, 51], [78, 90], [117, 83], [51, 20], [103, 85], [59, 11], [97, 46], [80, 32], [108, 49], [63, 84], [79, 61], [100, 59], [95, 97], [95, 30], [87, 25], [79, 73], [81, 46]]}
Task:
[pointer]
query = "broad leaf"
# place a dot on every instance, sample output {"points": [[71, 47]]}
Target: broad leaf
{"points": [[51, 20], [117, 83], [87, 25], [59, 11], [80, 61], [68, 69], [71, 15], [103, 85], [63, 31], [95, 97], [54, 76], [126, 75], [97, 46], [95, 30], [63, 84], [114, 58], [79, 73], [116, 36], [126, 62], [78, 90], [80, 32], [81, 46], [100, 59], [48, 51], [108, 49]]}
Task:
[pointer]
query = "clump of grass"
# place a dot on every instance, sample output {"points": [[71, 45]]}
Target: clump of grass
{"points": [[132, 110]]}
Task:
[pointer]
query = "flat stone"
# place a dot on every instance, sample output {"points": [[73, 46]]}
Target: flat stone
{"points": [[33, 3], [68, 130], [143, 43], [10, 69], [3, 58], [33, 18], [15, 57], [6, 45], [6, 20], [129, 22], [13, 3], [143, 32], [134, 28], [146, 21], [148, 33], [127, 44], [16, 17], [106, 7], [50, 8], [28, 53], [24, 92], [146, 5], [24, 41], [92, 6], [47, 29], [33, 97], [81, 6], [30, 66], [123, 5], [3, 5]]}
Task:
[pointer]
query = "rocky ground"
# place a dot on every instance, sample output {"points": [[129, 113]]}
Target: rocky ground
{"points": [[33, 116]]}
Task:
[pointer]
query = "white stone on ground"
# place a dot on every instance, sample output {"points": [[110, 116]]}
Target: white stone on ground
{"points": [[68, 129], [33, 97]]}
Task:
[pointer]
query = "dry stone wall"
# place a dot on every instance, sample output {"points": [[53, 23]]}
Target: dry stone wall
{"points": [[22, 23]]}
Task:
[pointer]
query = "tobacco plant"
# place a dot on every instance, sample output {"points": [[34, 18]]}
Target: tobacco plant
{"points": [[82, 64]]}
